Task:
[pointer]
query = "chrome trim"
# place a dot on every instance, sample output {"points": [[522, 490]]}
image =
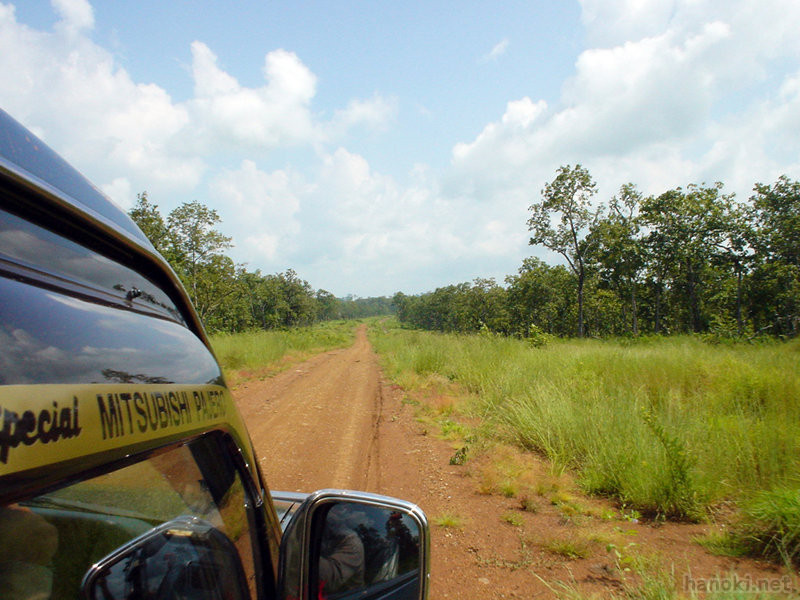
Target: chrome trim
{"points": [[288, 496]]}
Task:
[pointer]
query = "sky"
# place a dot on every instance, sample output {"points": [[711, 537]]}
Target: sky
{"points": [[376, 147]]}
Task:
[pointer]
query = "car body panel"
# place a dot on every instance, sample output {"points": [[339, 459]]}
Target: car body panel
{"points": [[105, 359]]}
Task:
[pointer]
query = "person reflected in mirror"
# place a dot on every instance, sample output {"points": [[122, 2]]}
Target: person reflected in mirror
{"points": [[341, 561]]}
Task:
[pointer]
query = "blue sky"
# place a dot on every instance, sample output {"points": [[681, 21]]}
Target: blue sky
{"points": [[379, 147]]}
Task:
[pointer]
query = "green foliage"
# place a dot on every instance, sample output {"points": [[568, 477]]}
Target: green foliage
{"points": [[572, 548], [512, 518], [771, 525], [152, 224], [723, 544], [460, 456], [449, 520], [538, 338], [687, 260], [665, 425], [678, 496], [351, 307], [258, 349], [567, 201]]}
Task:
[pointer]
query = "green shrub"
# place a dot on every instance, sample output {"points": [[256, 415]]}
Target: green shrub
{"points": [[770, 525]]}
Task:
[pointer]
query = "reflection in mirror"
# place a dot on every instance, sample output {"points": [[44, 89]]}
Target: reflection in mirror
{"points": [[184, 558], [365, 547]]}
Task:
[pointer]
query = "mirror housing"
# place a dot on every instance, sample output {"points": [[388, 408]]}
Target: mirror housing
{"points": [[185, 557], [343, 544]]}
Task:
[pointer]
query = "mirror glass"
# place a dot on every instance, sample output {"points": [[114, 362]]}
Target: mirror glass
{"points": [[365, 547], [184, 558]]}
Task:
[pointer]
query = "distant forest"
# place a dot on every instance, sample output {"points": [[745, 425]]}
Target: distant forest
{"points": [[226, 295], [690, 260]]}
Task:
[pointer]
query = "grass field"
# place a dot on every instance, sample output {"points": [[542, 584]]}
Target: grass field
{"points": [[268, 351], [668, 426]]}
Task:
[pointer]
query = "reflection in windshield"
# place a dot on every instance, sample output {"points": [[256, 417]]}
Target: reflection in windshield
{"points": [[30, 245], [49, 338]]}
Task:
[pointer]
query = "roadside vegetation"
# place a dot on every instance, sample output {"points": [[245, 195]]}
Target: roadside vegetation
{"points": [[261, 353], [670, 428]]}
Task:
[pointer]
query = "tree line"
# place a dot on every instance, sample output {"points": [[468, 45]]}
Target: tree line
{"points": [[226, 295], [690, 260]]}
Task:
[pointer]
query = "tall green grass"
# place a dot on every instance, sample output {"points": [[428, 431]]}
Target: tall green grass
{"points": [[666, 425], [256, 350]]}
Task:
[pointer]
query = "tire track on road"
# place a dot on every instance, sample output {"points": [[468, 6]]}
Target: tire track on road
{"points": [[315, 426]]}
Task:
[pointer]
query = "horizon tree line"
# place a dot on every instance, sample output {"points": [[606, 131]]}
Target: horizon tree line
{"points": [[690, 260], [228, 297]]}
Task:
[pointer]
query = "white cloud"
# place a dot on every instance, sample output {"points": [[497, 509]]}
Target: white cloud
{"points": [[262, 246], [614, 22], [74, 94], [375, 114], [88, 108], [496, 52], [226, 113], [262, 206], [664, 94], [654, 104], [75, 15], [410, 237], [120, 191]]}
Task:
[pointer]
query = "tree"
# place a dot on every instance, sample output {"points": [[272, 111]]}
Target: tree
{"points": [[196, 243], [735, 248], [298, 298], [152, 224], [687, 229], [776, 237], [539, 295], [617, 248], [217, 292], [327, 306], [778, 219], [567, 199]]}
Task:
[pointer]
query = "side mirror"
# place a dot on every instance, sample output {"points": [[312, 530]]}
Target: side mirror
{"points": [[183, 558], [343, 545]]}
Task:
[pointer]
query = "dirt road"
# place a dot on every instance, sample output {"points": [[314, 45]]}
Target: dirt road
{"points": [[316, 425], [334, 422]]}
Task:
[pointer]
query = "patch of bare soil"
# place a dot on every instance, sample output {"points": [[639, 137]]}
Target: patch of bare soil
{"points": [[334, 422]]}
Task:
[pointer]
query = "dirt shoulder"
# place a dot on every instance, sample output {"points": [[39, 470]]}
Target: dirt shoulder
{"points": [[333, 421]]}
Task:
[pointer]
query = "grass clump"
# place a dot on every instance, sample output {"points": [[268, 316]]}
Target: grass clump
{"points": [[571, 548], [723, 544], [449, 520], [529, 504], [513, 518], [770, 525]]}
